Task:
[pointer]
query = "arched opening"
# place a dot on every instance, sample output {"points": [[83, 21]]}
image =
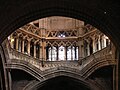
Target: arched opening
{"points": [[59, 38], [98, 75], [22, 81], [60, 41], [28, 13], [62, 83]]}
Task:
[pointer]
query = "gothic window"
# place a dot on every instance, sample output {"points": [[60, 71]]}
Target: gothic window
{"points": [[61, 34], [97, 45], [25, 46], [86, 48], [69, 53], [91, 47], [61, 53], [20, 44], [32, 48], [14, 43], [37, 50], [72, 53], [100, 43], [52, 54], [47, 53], [107, 42]]}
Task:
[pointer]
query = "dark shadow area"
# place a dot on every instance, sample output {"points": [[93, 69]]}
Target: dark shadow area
{"points": [[63, 83], [104, 76], [2, 78], [20, 79], [20, 75]]}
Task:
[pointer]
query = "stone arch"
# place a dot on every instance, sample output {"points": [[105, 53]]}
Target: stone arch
{"points": [[3, 80], [88, 83], [30, 69], [41, 76], [75, 9], [93, 69], [32, 10]]}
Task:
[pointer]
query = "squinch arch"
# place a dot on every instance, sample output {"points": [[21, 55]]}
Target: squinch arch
{"points": [[88, 84], [44, 76]]}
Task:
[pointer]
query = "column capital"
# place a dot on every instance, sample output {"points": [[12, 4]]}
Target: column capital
{"points": [[29, 39], [35, 42]]}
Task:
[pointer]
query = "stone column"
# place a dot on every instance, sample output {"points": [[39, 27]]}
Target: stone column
{"points": [[94, 48], [12, 41], [88, 48], [10, 80], [17, 43], [81, 50], [40, 50], [114, 77], [71, 53], [103, 41], [57, 53], [28, 49], [75, 53], [118, 73], [34, 50], [65, 53], [51, 52], [12, 44], [99, 43], [23, 42], [44, 50]]}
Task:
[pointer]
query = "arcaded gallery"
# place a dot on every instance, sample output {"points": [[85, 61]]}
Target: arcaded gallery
{"points": [[59, 53]]}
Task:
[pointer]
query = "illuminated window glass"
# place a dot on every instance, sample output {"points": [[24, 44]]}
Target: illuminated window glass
{"points": [[61, 53]]}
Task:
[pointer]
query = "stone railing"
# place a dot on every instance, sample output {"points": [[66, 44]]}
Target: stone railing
{"points": [[96, 63], [99, 54], [39, 63], [96, 60], [13, 54], [83, 64], [52, 64]]}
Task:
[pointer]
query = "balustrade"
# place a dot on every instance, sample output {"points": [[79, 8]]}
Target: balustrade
{"points": [[99, 54], [42, 64]]}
